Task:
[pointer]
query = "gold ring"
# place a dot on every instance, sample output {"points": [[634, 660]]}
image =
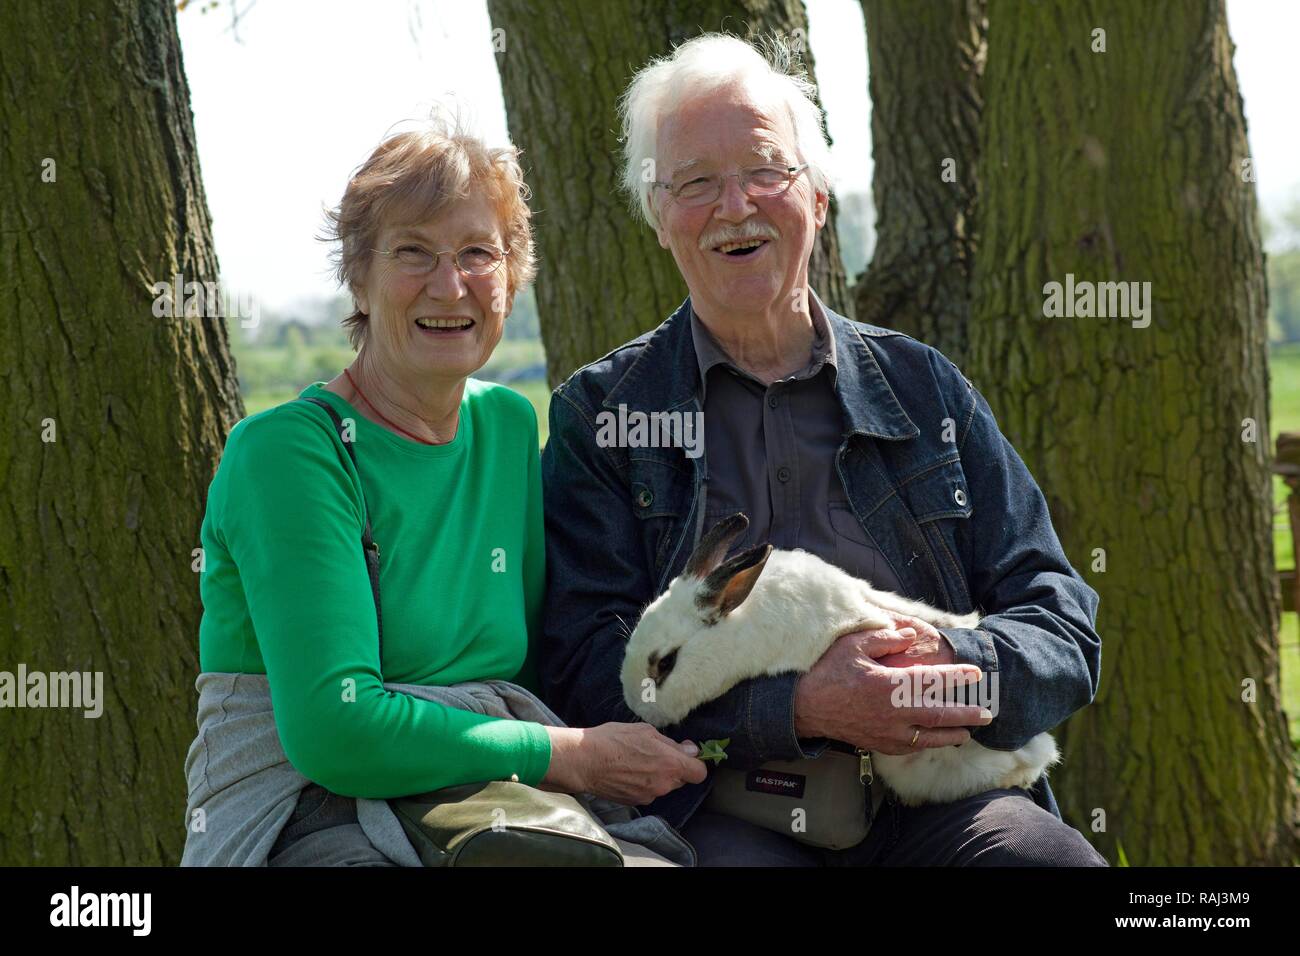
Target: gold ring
{"points": [[916, 734]]}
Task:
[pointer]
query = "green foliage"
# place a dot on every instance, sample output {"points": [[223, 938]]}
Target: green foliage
{"points": [[715, 750], [1284, 296], [1283, 234]]}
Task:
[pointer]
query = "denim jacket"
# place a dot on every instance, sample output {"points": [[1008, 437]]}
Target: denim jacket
{"points": [[930, 478]]}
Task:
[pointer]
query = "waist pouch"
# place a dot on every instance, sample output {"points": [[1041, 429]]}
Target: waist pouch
{"points": [[502, 823], [827, 801]]}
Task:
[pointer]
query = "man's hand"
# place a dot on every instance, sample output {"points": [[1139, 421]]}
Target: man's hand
{"points": [[849, 693]]}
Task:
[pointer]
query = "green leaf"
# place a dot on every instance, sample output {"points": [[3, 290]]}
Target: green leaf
{"points": [[714, 750]]}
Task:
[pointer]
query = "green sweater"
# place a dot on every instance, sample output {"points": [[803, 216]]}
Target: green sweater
{"points": [[462, 573]]}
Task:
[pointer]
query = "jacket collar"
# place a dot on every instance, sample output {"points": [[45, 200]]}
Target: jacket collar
{"points": [[665, 376]]}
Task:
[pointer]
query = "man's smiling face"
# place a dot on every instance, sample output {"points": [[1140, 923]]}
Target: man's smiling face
{"points": [[721, 133]]}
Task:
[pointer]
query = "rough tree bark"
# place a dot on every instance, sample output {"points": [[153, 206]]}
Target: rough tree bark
{"points": [[1127, 165], [603, 277], [925, 61], [100, 522]]}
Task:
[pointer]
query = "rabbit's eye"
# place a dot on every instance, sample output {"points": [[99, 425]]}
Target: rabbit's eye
{"points": [[660, 667]]}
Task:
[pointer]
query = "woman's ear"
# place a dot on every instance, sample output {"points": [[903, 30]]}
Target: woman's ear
{"points": [[503, 301]]}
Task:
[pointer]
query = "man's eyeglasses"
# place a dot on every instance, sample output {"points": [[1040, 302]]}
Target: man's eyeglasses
{"points": [[475, 259], [765, 180]]}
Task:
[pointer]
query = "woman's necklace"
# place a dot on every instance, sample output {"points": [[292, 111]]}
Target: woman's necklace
{"points": [[399, 428]]}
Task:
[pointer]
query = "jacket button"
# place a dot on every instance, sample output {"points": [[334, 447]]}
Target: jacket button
{"points": [[783, 474], [644, 498], [959, 496]]}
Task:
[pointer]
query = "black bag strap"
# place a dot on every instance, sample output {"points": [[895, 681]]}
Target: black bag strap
{"points": [[368, 546]]}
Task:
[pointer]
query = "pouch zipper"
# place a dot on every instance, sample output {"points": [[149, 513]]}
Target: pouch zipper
{"points": [[864, 767]]}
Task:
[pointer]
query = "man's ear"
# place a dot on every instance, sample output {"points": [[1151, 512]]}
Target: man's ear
{"points": [[663, 236], [821, 205], [656, 206], [660, 231]]}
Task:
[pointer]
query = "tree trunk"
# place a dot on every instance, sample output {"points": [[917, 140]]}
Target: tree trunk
{"points": [[114, 421], [1127, 165], [603, 278], [926, 61]]}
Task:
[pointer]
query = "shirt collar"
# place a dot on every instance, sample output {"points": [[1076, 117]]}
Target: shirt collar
{"points": [[708, 351], [663, 375]]}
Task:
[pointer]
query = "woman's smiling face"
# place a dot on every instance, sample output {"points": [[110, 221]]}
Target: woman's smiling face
{"points": [[469, 310]]}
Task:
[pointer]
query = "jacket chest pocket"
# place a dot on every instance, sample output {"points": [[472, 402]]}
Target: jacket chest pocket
{"points": [[660, 489], [855, 552], [940, 501]]}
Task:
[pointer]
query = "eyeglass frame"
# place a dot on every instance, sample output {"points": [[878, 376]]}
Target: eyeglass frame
{"points": [[792, 172], [437, 257]]}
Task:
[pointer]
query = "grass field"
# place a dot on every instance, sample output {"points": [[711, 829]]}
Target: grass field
{"points": [[539, 393]]}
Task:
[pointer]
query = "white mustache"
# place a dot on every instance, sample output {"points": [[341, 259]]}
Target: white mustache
{"points": [[737, 234]]}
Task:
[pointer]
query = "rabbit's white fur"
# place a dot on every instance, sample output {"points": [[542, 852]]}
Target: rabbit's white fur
{"points": [[799, 605]]}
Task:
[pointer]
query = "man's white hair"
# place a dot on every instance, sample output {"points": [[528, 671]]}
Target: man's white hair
{"points": [[704, 65]]}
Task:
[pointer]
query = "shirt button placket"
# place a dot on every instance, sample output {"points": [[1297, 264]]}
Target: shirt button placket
{"points": [[786, 501]]}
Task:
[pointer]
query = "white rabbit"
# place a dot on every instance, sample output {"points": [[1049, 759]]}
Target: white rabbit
{"points": [[768, 611]]}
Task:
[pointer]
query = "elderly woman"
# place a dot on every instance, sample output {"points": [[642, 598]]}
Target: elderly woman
{"points": [[435, 243]]}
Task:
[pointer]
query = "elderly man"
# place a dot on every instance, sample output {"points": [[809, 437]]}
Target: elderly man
{"points": [[854, 442]]}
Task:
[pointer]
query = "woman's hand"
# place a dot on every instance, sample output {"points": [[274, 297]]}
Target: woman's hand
{"points": [[630, 764]]}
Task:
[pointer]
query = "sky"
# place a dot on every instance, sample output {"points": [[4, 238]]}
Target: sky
{"points": [[284, 113]]}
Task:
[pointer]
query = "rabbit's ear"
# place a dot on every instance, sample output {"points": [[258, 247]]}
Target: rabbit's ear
{"points": [[727, 586], [708, 554]]}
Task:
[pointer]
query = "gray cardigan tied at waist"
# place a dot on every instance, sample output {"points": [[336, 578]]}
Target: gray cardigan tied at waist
{"points": [[242, 788]]}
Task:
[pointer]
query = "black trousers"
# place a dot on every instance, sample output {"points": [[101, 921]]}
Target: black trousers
{"points": [[995, 828], [323, 831]]}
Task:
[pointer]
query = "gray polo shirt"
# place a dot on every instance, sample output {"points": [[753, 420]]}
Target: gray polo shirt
{"points": [[770, 452]]}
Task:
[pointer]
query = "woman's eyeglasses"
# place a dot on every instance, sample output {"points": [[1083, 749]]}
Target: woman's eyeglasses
{"points": [[474, 259]]}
